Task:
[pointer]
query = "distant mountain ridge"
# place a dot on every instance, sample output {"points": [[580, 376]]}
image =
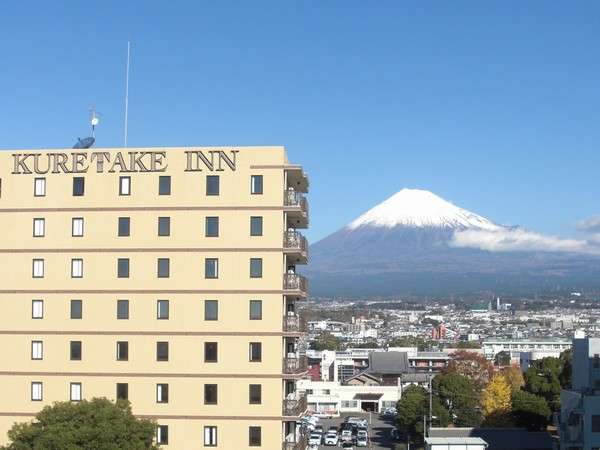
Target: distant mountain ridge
{"points": [[408, 245]]}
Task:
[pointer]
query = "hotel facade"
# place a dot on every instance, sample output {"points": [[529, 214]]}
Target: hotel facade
{"points": [[166, 276]]}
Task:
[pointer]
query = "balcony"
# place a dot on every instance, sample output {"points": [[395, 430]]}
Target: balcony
{"points": [[296, 207], [295, 366], [294, 407], [294, 284], [295, 245], [301, 443], [294, 324]]}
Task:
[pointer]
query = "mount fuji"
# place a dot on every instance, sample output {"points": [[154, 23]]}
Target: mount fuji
{"points": [[416, 243]]}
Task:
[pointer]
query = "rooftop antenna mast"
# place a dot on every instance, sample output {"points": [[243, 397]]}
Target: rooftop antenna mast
{"points": [[127, 90]]}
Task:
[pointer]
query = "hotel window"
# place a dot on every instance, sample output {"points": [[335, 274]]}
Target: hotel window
{"points": [[75, 389], [162, 434], [162, 393], [164, 226], [255, 394], [76, 268], [256, 226], [255, 352], [162, 351], [122, 309], [122, 391], [78, 186], [211, 227], [76, 309], [162, 309], [256, 267], [210, 394], [254, 436], [210, 352], [124, 226], [38, 268], [36, 391], [37, 350], [164, 185], [211, 268], [256, 184], [77, 227], [255, 309], [39, 187], [211, 310], [37, 309], [212, 184], [122, 351], [123, 267], [210, 436], [39, 227], [75, 351], [124, 185], [163, 267]]}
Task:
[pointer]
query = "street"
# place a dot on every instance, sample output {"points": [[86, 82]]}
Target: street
{"points": [[379, 430]]}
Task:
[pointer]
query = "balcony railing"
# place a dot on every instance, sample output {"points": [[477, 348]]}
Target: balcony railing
{"points": [[301, 443], [295, 365], [295, 282], [294, 406], [293, 240], [294, 324], [295, 198]]}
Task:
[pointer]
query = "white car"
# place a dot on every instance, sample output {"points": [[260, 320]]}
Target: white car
{"points": [[331, 438], [362, 439], [314, 439]]}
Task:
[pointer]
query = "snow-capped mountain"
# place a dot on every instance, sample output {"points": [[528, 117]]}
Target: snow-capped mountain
{"points": [[408, 244]]}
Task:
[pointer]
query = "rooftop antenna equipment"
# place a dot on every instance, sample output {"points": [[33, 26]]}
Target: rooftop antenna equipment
{"points": [[127, 90], [90, 140]]}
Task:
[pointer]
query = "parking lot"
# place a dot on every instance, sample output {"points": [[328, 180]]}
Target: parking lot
{"points": [[379, 430]]}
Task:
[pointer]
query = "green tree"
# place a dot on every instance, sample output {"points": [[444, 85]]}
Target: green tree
{"points": [[459, 394], [502, 359], [471, 365], [566, 369], [530, 411], [327, 341], [542, 379], [514, 376], [97, 424], [413, 406], [410, 341]]}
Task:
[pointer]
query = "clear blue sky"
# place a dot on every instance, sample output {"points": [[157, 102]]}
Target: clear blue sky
{"points": [[492, 105]]}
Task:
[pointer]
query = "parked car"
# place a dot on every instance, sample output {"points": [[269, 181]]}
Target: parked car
{"points": [[347, 446], [319, 429], [315, 439], [331, 438], [362, 439], [346, 435], [389, 412], [332, 428]]}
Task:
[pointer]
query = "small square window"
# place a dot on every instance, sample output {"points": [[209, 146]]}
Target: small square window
{"points": [[210, 352], [123, 267], [77, 227], [256, 226], [36, 391], [39, 227], [164, 226], [76, 309], [38, 268], [75, 352], [164, 185], [255, 351], [124, 185], [39, 187], [162, 351], [211, 268], [210, 436], [78, 186], [210, 394], [211, 310], [163, 267], [122, 391], [76, 268], [255, 394], [212, 227], [37, 350], [256, 267], [162, 434], [124, 226], [75, 392], [255, 309], [256, 184], [37, 309], [122, 309], [212, 185], [162, 309], [254, 436], [122, 351], [162, 393]]}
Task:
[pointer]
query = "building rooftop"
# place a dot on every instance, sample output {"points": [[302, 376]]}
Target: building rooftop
{"points": [[500, 438], [455, 441]]}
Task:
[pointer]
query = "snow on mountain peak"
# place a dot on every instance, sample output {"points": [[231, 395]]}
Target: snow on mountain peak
{"points": [[421, 208]]}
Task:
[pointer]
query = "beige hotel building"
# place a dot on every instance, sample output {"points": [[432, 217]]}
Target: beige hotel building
{"points": [[166, 276]]}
